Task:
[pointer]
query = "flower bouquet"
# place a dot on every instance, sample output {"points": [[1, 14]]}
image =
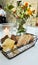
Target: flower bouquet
{"points": [[21, 12]]}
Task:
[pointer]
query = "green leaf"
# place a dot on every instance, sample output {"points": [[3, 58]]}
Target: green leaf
{"points": [[29, 5], [10, 7]]}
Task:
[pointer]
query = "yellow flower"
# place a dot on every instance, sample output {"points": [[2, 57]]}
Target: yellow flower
{"points": [[28, 9], [29, 12]]}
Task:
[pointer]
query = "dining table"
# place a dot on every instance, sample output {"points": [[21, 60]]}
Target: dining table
{"points": [[29, 57]]}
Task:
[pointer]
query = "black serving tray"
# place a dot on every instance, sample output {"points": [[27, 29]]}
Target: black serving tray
{"points": [[19, 50]]}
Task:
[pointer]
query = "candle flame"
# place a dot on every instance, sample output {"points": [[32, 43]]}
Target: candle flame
{"points": [[6, 31]]}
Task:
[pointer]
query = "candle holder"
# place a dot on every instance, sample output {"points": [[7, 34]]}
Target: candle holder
{"points": [[7, 29]]}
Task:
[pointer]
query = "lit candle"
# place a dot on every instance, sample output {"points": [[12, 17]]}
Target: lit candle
{"points": [[6, 31]]}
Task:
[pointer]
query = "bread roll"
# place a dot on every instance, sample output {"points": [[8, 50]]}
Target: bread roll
{"points": [[24, 39]]}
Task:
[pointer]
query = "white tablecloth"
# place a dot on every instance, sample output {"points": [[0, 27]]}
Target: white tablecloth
{"points": [[29, 57]]}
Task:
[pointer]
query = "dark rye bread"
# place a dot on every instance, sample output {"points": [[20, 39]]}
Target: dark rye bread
{"points": [[1, 48], [15, 38], [4, 38]]}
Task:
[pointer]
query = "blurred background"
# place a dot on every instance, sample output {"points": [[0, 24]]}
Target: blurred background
{"points": [[34, 4]]}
